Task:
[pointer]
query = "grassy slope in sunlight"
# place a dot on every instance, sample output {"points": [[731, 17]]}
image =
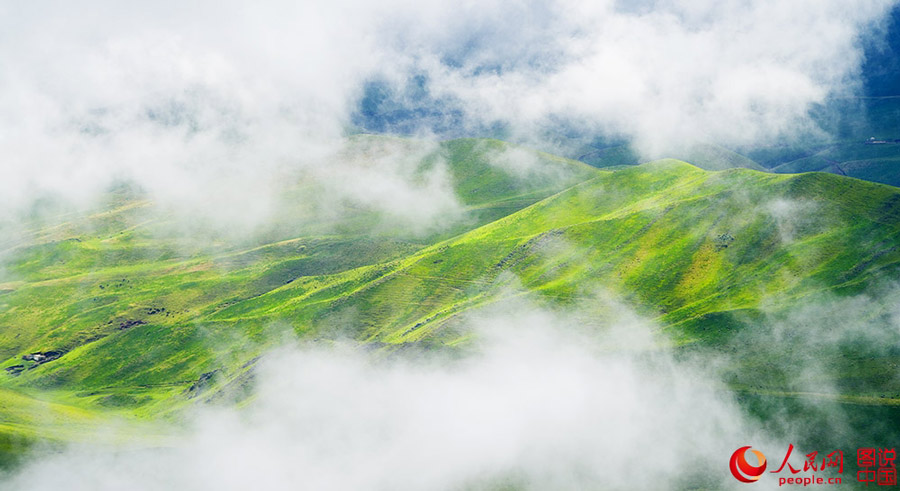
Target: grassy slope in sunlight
{"points": [[125, 295], [140, 321]]}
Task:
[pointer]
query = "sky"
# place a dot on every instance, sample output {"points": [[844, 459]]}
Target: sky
{"points": [[198, 100]]}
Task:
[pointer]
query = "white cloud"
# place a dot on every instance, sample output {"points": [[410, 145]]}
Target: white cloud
{"points": [[405, 180], [733, 72], [209, 99], [540, 402]]}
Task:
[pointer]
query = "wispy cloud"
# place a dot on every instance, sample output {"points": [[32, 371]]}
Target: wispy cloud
{"points": [[538, 402], [191, 99]]}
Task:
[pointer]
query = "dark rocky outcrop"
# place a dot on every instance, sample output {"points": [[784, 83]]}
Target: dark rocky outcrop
{"points": [[201, 384], [41, 357], [722, 241], [129, 323]]}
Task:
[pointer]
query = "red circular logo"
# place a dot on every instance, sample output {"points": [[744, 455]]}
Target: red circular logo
{"points": [[742, 470]]}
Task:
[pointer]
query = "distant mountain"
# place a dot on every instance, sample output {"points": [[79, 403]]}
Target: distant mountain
{"points": [[881, 70], [865, 131]]}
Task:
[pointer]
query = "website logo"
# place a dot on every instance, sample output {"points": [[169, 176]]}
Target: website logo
{"points": [[876, 466], [742, 470]]}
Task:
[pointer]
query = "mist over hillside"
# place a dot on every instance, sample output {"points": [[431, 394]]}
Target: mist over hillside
{"points": [[420, 245]]}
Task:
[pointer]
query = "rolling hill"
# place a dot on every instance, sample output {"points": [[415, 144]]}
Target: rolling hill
{"points": [[107, 314]]}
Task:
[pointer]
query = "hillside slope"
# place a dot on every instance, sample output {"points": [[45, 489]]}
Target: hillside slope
{"points": [[106, 315], [106, 310], [704, 155]]}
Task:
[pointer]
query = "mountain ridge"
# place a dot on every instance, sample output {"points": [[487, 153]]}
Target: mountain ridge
{"points": [[693, 249]]}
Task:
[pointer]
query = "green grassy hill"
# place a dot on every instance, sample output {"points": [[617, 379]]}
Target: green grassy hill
{"points": [[128, 322], [124, 295], [704, 155]]}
